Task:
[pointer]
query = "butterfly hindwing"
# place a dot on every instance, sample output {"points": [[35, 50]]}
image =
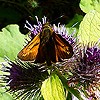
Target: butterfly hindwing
{"points": [[46, 52]]}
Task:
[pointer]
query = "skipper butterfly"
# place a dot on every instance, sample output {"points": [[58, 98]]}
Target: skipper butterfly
{"points": [[47, 46]]}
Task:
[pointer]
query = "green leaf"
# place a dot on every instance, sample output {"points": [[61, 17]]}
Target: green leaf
{"points": [[75, 21], [89, 30], [73, 25], [88, 5], [52, 89], [73, 91], [11, 41], [5, 95], [69, 96], [97, 5]]}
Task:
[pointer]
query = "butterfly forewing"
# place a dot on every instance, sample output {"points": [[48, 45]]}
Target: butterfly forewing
{"points": [[29, 52], [63, 49]]}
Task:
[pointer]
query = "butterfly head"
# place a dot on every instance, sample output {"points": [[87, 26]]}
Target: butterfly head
{"points": [[47, 26]]}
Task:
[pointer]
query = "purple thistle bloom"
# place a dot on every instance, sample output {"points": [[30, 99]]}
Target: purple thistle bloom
{"points": [[93, 55], [86, 70], [60, 29], [25, 79], [35, 29]]}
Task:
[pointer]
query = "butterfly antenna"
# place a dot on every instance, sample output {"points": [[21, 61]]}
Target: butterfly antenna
{"points": [[74, 24], [57, 18]]}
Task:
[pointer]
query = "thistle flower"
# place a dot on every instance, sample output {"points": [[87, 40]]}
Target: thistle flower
{"points": [[25, 79], [60, 29], [86, 70]]}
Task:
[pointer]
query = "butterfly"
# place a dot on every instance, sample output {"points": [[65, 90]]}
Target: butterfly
{"points": [[47, 46]]}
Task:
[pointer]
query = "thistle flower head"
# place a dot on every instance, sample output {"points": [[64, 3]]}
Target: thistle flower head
{"points": [[25, 79], [60, 29], [87, 67]]}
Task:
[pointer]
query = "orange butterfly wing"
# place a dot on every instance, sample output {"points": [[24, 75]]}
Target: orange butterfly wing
{"points": [[29, 52], [63, 49]]}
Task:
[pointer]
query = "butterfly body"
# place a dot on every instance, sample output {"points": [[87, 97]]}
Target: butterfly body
{"points": [[46, 33], [47, 47]]}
